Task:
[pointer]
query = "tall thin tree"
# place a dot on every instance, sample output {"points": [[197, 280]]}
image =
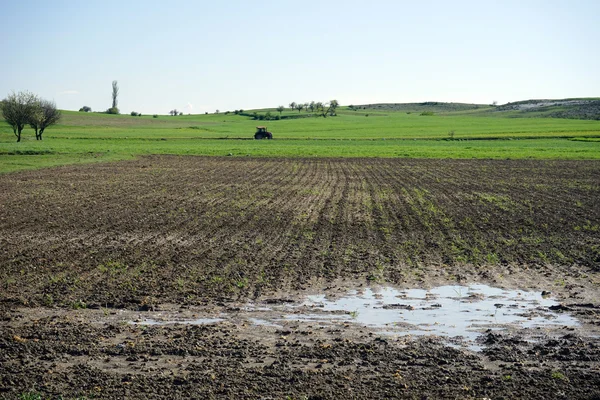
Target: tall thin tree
{"points": [[115, 94]]}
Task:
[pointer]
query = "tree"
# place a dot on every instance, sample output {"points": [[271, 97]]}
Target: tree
{"points": [[299, 106], [115, 93], [328, 108], [45, 115], [333, 105], [292, 105], [280, 109], [18, 109], [85, 109], [311, 106], [324, 109]]}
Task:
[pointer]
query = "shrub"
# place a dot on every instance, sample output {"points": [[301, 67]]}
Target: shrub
{"points": [[155, 116], [427, 113], [112, 110], [85, 109], [134, 114]]}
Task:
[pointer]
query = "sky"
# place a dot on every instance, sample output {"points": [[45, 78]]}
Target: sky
{"points": [[200, 56]]}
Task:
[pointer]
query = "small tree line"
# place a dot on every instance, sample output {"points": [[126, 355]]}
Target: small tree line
{"points": [[25, 108], [318, 107]]}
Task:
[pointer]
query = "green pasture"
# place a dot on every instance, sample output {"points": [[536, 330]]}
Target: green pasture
{"points": [[89, 137]]}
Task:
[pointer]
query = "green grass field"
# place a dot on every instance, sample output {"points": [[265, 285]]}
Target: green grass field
{"points": [[89, 137]]}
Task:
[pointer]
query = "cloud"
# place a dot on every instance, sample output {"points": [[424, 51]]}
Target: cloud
{"points": [[69, 92]]}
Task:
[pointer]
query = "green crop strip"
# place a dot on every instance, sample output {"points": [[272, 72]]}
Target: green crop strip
{"points": [[91, 137]]}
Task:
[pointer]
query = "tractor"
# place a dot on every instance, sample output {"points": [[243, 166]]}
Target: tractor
{"points": [[261, 133]]}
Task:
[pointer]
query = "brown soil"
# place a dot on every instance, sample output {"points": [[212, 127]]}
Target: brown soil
{"points": [[83, 246]]}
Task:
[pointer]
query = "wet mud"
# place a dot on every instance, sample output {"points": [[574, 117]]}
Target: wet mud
{"points": [[191, 277]]}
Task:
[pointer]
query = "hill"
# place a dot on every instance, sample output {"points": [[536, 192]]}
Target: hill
{"points": [[564, 108], [578, 108], [428, 106]]}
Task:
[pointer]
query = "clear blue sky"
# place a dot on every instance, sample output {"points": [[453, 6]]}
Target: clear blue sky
{"points": [[199, 56]]}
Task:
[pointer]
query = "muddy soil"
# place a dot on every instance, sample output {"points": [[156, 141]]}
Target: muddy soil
{"points": [[88, 252], [105, 354]]}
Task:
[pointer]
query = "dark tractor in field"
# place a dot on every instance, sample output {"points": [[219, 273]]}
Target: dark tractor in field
{"points": [[261, 133]]}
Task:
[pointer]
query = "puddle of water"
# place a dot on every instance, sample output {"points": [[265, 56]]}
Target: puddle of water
{"points": [[449, 311], [462, 312], [199, 321], [263, 322]]}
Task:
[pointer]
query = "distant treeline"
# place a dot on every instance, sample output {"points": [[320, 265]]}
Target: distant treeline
{"points": [[268, 116]]}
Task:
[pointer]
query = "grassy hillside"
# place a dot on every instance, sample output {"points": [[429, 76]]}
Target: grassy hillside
{"points": [[566, 108], [377, 132], [431, 106], [576, 108]]}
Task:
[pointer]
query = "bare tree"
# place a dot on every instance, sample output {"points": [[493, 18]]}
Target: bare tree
{"points": [[47, 114], [18, 109], [280, 109]]}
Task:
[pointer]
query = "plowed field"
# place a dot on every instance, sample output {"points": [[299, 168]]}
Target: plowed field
{"points": [[211, 234]]}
